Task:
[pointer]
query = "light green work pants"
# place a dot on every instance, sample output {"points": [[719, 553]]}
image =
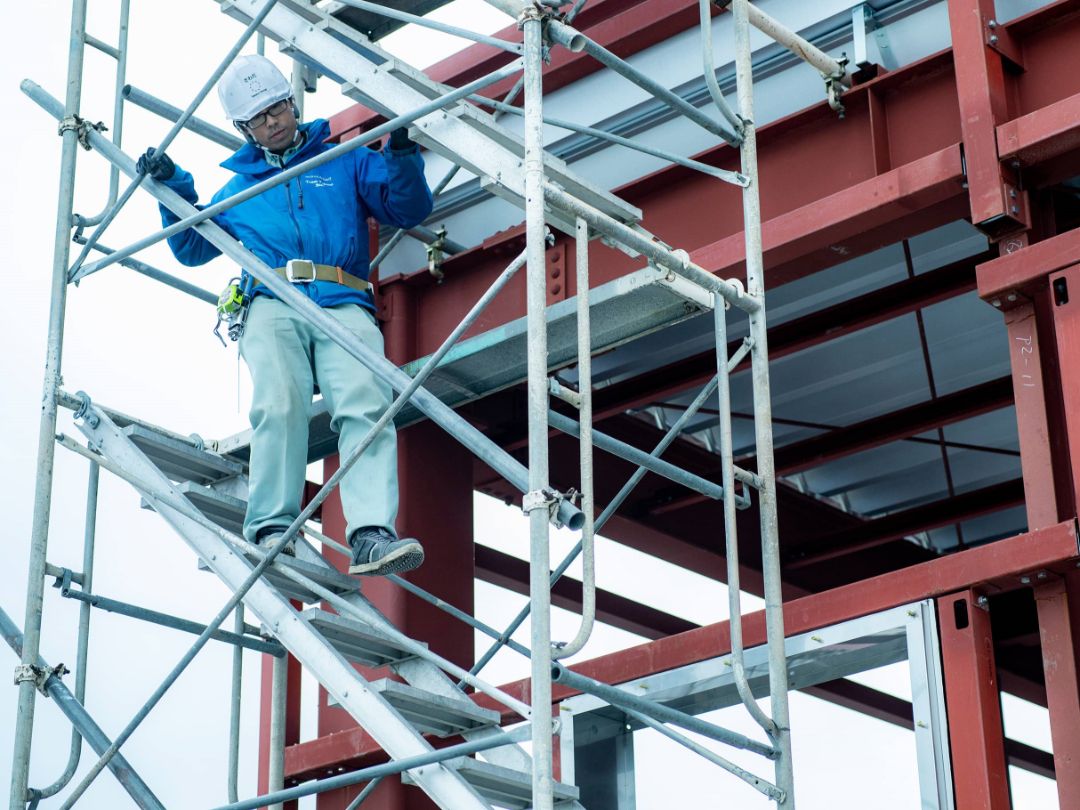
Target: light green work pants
{"points": [[287, 357]]}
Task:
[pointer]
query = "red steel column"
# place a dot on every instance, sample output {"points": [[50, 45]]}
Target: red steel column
{"points": [[976, 738], [435, 483], [1030, 397], [998, 206], [1058, 602]]}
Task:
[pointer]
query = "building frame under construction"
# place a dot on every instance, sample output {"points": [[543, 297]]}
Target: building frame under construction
{"points": [[986, 131]]}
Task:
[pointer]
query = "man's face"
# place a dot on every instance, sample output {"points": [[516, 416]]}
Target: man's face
{"points": [[275, 127]]}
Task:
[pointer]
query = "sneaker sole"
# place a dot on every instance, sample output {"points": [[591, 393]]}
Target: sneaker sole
{"points": [[406, 558]]}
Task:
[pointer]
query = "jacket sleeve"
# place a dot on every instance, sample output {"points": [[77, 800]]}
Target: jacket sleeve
{"points": [[189, 247], [392, 186]]}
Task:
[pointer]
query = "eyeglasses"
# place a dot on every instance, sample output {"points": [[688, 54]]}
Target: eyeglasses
{"points": [[275, 109]]}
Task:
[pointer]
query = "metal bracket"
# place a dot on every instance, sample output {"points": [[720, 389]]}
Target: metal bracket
{"points": [[999, 40], [436, 254], [85, 411], [834, 90], [39, 676], [82, 127], [546, 498]]}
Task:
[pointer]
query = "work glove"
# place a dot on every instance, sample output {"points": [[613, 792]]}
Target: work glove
{"points": [[158, 166], [399, 140]]}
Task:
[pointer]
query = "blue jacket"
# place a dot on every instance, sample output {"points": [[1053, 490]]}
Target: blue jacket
{"points": [[322, 218]]}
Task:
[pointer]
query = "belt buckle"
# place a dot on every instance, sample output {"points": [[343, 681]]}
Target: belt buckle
{"points": [[306, 270]]}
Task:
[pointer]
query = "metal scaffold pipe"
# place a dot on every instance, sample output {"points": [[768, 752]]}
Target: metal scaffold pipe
{"points": [[73, 710], [46, 449], [574, 40], [804, 49], [537, 502], [170, 136], [292, 171], [770, 539]]}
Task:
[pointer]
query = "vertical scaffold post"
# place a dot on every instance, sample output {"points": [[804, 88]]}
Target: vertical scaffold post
{"points": [[770, 541], [539, 515], [39, 532]]}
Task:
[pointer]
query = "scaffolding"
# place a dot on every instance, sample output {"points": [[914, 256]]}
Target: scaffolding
{"points": [[431, 700]]}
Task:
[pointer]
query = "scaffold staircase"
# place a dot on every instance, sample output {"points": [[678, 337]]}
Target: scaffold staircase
{"points": [[396, 714]]}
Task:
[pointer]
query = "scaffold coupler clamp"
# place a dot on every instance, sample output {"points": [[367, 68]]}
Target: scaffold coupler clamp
{"points": [[39, 676], [85, 410], [834, 89], [546, 498], [81, 127], [436, 254]]}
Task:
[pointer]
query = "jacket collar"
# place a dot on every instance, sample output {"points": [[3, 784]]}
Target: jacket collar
{"points": [[249, 159]]}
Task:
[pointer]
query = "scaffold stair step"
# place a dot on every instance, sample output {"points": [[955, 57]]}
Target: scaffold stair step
{"points": [[470, 138], [504, 787], [434, 714], [181, 461], [356, 641], [224, 509]]}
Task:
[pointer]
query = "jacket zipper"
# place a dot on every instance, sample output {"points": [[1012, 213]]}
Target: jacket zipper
{"points": [[292, 215]]}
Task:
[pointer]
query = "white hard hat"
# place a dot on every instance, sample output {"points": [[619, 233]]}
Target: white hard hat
{"points": [[249, 85]]}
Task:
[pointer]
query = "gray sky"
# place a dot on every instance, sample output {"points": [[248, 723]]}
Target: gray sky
{"points": [[147, 350]]}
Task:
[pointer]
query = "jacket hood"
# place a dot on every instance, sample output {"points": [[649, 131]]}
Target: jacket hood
{"points": [[249, 159]]}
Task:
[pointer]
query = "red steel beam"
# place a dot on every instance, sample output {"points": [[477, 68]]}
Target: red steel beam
{"points": [[1042, 135], [875, 432], [994, 567], [934, 515], [1008, 277]]}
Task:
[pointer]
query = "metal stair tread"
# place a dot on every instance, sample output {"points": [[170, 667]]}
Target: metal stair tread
{"points": [[503, 787], [356, 641], [325, 576], [181, 461], [434, 714], [225, 510]]}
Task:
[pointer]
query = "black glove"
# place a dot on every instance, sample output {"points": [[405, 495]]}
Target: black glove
{"points": [[158, 166], [399, 140]]}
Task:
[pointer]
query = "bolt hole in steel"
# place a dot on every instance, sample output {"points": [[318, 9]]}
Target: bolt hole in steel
{"points": [[960, 614], [1061, 292]]}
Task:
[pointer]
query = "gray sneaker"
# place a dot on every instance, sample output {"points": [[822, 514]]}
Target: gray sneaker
{"points": [[377, 552], [268, 541]]}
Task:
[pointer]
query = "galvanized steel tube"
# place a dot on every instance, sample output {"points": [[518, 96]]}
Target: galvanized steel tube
{"points": [[585, 448], [235, 693], [574, 40], [802, 48], [175, 130], [770, 540], [623, 699], [204, 214], [120, 54], [731, 531], [279, 685], [709, 68], [89, 536], [536, 308], [151, 103], [73, 710], [46, 450]]}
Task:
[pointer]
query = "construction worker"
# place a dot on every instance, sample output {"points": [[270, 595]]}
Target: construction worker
{"points": [[313, 230]]}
